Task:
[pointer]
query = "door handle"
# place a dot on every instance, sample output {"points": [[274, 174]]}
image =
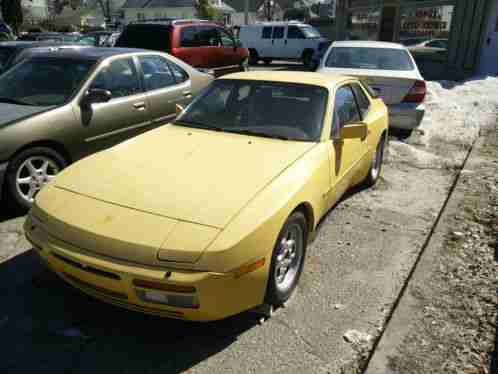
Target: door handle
{"points": [[139, 106], [285, 42], [272, 41], [187, 94]]}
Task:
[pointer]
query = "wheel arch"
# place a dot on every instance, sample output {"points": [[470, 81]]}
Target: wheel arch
{"points": [[54, 145], [307, 209]]}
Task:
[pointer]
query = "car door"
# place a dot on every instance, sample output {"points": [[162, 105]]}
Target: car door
{"points": [[166, 85], [264, 46], [278, 42], [125, 115], [294, 42], [347, 153]]}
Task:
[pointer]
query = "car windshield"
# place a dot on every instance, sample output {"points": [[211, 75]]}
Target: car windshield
{"points": [[369, 58], [287, 111], [43, 81], [310, 32]]}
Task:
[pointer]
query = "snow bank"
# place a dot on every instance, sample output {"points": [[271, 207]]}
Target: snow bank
{"points": [[455, 114]]}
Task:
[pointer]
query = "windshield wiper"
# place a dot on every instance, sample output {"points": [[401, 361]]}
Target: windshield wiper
{"points": [[9, 100], [257, 133], [197, 125]]}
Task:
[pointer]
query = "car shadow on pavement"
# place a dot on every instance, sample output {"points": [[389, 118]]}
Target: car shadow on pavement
{"points": [[7, 213], [51, 327]]}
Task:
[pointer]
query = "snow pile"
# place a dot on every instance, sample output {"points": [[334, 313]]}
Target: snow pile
{"points": [[455, 114]]}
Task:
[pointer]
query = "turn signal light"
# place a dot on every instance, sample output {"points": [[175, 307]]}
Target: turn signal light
{"points": [[163, 286], [248, 268]]}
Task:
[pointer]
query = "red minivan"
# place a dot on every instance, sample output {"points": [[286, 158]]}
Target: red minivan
{"points": [[205, 45]]}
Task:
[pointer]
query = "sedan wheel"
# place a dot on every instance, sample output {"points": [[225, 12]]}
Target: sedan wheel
{"points": [[287, 260], [29, 172]]}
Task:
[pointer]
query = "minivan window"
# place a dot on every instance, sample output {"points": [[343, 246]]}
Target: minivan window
{"points": [[226, 39], [310, 32], [153, 37], [278, 32], [294, 32], [207, 36], [267, 31], [188, 37]]}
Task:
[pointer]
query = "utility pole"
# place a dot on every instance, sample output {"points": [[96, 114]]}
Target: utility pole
{"points": [[246, 12]]}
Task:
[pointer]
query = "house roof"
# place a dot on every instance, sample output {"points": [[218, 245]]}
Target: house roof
{"points": [[159, 4]]}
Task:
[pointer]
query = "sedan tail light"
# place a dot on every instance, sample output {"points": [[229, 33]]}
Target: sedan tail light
{"points": [[417, 93]]}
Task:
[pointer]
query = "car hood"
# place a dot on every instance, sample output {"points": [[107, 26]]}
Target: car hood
{"points": [[12, 112], [197, 176]]}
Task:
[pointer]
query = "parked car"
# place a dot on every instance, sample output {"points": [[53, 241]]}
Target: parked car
{"points": [[57, 107], [13, 52], [95, 38], [211, 215], [203, 44], [391, 72], [43, 36], [283, 41]]}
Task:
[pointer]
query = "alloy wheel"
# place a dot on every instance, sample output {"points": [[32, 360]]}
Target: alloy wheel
{"points": [[289, 257], [33, 174]]}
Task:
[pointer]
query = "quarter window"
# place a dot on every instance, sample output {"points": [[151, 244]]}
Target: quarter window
{"points": [[179, 74], [226, 39], [208, 36], [361, 99], [278, 32], [157, 73], [267, 32], [345, 109], [120, 77]]}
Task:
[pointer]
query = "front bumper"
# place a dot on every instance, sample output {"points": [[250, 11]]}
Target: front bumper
{"points": [[406, 116], [3, 172], [219, 295]]}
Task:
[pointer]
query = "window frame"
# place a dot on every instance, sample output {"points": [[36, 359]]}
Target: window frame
{"points": [[142, 75], [283, 32], [358, 84], [263, 32], [106, 63], [334, 130], [221, 31], [296, 28]]}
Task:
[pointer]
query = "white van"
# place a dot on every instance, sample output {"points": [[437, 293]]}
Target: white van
{"points": [[281, 40]]}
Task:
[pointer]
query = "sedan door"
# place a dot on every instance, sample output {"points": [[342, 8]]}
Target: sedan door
{"points": [[125, 115], [166, 84], [346, 154]]}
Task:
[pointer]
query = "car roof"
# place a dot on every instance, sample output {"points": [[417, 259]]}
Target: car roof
{"points": [[368, 44], [89, 53], [22, 44], [311, 78]]}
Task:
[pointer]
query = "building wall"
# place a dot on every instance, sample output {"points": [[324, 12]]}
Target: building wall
{"points": [[135, 14], [37, 9], [237, 18]]}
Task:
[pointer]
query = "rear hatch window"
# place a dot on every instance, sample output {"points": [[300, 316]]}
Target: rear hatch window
{"points": [[153, 37]]}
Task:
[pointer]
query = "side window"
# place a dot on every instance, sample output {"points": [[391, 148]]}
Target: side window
{"points": [[208, 36], [120, 77], [278, 32], [267, 32], [345, 109], [179, 74], [156, 72], [361, 99], [226, 39], [188, 37], [293, 32]]}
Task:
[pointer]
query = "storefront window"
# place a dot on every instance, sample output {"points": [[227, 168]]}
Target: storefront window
{"points": [[363, 24], [426, 32]]}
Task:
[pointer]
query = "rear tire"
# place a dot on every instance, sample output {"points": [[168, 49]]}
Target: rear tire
{"points": [[308, 59], [287, 260], [376, 166], [28, 172]]}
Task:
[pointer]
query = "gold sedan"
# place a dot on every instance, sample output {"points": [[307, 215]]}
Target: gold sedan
{"points": [[210, 215]]}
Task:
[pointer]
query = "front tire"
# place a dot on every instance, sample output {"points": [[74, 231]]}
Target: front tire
{"points": [[287, 260], [307, 59], [376, 166], [253, 57], [28, 172]]}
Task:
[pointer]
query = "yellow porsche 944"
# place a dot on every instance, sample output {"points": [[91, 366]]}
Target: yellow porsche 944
{"points": [[211, 214]]}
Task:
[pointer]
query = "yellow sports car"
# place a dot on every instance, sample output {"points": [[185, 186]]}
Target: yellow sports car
{"points": [[210, 215]]}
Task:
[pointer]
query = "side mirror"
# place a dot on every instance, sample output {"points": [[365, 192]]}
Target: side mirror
{"points": [[354, 131], [179, 109], [96, 95]]}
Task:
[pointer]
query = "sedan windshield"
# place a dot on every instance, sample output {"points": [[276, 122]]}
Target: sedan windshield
{"points": [[369, 58], [43, 81], [286, 111]]}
